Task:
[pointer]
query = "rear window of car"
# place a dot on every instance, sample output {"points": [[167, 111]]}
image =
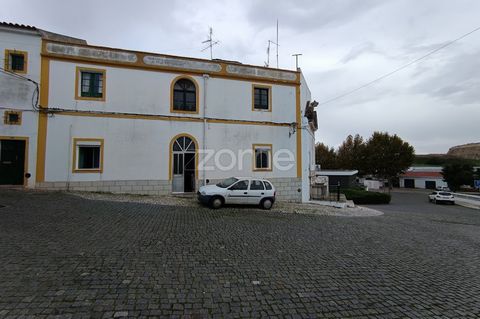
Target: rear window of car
{"points": [[256, 185], [268, 186], [445, 194]]}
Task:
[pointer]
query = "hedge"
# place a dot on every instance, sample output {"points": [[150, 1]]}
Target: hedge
{"points": [[364, 197]]}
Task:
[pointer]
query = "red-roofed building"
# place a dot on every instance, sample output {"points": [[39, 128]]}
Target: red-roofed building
{"points": [[423, 177]]}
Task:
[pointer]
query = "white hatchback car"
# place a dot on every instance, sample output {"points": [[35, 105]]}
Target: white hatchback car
{"points": [[238, 190], [441, 197]]}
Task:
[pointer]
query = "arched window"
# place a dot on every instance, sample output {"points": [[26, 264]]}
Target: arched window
{"points": [[185, 96]]}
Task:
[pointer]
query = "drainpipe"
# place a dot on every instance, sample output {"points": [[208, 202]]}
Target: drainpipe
{"points": [[204, 142], [70, 155]]}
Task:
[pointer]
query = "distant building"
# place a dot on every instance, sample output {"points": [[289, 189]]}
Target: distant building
{"points": [[423, 177]]}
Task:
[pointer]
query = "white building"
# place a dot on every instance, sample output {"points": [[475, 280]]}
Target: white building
{"points": [[423, 177], [136, 122]]}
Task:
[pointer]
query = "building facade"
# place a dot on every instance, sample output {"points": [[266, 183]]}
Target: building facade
{"points": [[136, 122], [423, 177]]}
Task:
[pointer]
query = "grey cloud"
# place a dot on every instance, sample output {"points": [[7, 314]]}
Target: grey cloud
{"points": [[358, 50], [308, 14], [456, 81]]}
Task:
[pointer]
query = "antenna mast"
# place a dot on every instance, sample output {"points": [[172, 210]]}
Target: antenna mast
{"points": [[210, 42], [267, 64], [277, 44]]}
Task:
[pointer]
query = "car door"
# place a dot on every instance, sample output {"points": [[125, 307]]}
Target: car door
{"points": [[238, 193], [256, 192]]}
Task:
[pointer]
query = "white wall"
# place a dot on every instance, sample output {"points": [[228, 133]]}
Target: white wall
{"points": [[420, 182], [137, 149], [16, 94], [148, 92], [308, 141]]}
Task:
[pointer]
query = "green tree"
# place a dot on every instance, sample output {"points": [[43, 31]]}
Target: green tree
{"points": [[351, 154], [387, 156], [325, 156], [458, 173]]}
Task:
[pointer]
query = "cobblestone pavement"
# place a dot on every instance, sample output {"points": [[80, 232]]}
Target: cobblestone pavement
{"points": [[191, 201], [63, 256]]}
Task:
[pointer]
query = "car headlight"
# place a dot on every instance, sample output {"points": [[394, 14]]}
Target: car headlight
{"points": [[203, 193]]}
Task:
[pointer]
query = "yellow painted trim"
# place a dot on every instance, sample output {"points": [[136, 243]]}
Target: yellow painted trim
{"points": [[78, 93], [140, 65], [269, 87], [42, 120], [6, 120], [74, 159], [25, 165], [167, 118], [7, 61], [170, 154], [197, 95], [299, 133], [254, 160]]}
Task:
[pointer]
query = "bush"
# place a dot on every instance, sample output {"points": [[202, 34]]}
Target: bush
{"points": [[363, 197]]}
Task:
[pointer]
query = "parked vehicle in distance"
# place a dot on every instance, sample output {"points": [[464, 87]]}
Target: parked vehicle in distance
{"points": [[238, 190], [441, 197], [443, 188]]}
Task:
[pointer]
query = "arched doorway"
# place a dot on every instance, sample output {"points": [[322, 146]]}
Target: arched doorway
{"points": [[183, 148]]}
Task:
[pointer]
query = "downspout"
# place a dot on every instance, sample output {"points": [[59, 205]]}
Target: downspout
{"points": [[70, 156], [204, 142]]}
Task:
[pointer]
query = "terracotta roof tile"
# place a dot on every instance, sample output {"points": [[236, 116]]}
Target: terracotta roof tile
{"points": [[18, 26], [423, 174]]}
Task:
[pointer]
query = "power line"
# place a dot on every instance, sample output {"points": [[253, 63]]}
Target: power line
{"points": [[16, 75], [398, 69], [36, 93]]}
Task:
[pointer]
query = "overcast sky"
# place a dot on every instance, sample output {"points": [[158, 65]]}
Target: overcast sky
{"points": [[434, 104]]}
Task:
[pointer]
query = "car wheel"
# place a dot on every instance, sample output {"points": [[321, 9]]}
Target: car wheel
{"points": [[267, 203], [216, 202]]}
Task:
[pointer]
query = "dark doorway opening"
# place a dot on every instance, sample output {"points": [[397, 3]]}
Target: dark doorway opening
{"points": [[409, 183], [12, 162], [189, 176], [430, 184]]}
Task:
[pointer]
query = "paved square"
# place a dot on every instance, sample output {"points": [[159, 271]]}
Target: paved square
{"points": [[62, 256]]}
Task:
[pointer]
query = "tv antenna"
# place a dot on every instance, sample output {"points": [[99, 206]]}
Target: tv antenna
{"points": [[296, 55], [267, 64], [210, 42]]}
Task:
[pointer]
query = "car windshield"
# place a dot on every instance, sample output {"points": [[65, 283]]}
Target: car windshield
{"points": [[227, 182], [445, 194]]}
